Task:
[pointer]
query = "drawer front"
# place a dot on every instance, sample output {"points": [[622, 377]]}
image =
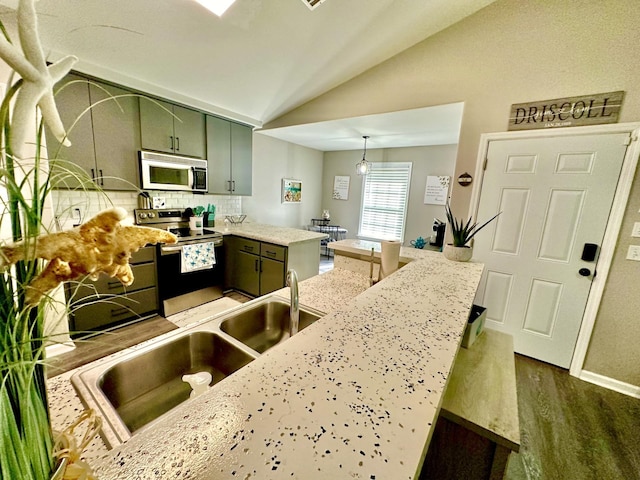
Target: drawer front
{"points": [[249, 246], [144, 255], [274, 252], [96, 315], [144, 277]]}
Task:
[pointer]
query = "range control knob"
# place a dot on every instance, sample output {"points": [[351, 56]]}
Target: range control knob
{"points": [[142, 215], [151, 215]]}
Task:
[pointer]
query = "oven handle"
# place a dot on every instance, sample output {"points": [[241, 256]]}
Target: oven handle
{"points": [[168, 250]]}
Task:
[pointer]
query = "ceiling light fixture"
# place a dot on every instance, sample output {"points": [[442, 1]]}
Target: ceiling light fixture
{"points": [[363, 167], [312, 3], [216, 6]]}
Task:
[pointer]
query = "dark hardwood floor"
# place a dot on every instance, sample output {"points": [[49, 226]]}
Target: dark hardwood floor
{"points": [[571, 429]]}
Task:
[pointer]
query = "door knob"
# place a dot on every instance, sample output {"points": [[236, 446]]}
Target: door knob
{"points": [[585, 272]]}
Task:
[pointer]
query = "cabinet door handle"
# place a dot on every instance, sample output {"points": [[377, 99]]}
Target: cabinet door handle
{"points": [[93, 174], [177, 144], [260, 266], [256, 265], [229, 185], [248, 248], [112, 285], [270, 254], [101, 178], [117, 312], [171, 137], [233, 183]]}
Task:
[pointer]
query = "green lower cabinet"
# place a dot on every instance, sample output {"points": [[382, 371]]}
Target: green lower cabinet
{"points": [[258, 268], [247, 273], [272, 276]]}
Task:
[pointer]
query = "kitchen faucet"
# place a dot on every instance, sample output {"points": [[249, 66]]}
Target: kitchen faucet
{"points": [[294, 306]]}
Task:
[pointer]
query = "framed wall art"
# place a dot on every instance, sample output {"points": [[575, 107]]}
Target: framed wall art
{"points": [[291, 190], [341, 187]]}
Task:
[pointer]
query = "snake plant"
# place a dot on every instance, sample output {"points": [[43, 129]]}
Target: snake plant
{"points": [[461, 231]]}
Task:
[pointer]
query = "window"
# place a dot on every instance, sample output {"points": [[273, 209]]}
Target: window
{"points": [[384, 201]]}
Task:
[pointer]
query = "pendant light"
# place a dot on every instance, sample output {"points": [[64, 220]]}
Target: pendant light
{"points": [[363, 167]]}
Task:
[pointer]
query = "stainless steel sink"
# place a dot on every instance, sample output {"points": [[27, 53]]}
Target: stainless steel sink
{"points": [[265, 324], [140, 399], [134, 389]]}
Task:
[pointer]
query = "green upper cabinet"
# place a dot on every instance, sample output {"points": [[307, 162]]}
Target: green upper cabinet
{"points": [[104, 137], [229, 153], [71, 165], [116, 136], [171, 128]]}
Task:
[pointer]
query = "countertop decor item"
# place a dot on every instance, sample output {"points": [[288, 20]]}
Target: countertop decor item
{"points": [[235, 219], [418, 242], [460, 250]]}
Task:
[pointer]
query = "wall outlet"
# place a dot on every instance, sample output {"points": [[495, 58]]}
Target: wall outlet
{"points": [[159, 202], [636, 230], [633, 253]]}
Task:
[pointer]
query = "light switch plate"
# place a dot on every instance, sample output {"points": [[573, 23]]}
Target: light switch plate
{"points": [[636, 230], [633, 253]]}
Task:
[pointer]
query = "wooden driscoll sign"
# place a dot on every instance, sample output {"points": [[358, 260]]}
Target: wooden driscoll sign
{"points": [[567, 112]]}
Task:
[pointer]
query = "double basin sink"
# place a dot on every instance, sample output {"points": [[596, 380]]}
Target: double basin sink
{"points": [[133, 390]]}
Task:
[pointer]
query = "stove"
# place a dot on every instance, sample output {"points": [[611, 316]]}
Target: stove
{"points": [[181, 290], [175, 221]]}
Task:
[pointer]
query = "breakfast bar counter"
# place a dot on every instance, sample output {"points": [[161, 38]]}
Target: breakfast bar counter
{"points": [[354, 395]]}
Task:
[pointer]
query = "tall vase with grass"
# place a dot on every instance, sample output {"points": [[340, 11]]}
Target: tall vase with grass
{"points": [[462, 233], [26, 438], [33, 260]]}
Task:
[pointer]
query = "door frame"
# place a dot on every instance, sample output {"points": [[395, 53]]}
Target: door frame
{"points": [[612, 230]]}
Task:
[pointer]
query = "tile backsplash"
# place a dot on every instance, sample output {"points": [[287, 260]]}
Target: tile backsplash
{"points": [[72, 207]]}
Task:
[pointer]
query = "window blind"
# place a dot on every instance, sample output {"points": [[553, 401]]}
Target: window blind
{"points": [[384, 201]]}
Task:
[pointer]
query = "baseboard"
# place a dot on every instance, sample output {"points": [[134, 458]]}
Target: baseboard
{"points": [[59, 348], [610, 383]]}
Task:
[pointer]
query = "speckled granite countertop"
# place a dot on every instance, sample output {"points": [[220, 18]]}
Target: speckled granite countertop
{"points": [[354, 395], [330, 291], [363, 247], [284, 236]]}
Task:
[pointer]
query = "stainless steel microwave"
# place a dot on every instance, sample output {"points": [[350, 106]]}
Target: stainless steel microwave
{"points": [[171, 172]]}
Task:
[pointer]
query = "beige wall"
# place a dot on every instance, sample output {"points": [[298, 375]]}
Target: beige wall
{"points": [[614, 350], [274, 160], [512, 52], [434, 160]]}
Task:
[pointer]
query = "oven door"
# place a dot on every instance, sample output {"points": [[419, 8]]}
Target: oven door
{"points": [[180, 291]]}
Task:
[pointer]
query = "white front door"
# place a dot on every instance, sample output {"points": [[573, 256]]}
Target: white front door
{"points": [[555, 195]]}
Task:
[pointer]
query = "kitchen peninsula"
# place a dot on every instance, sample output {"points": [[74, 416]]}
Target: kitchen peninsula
{"points": [[355, 395], [303, 246]]}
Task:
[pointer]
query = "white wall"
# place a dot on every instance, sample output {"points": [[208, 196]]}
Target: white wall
{"points": [[274, 160], [433, 160]]}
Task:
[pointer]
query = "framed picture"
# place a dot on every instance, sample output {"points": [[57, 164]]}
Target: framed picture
{"points": [[291, 190], [436, 190], [341, 187]]}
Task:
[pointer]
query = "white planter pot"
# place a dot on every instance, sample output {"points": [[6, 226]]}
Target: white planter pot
{"points": [[457, 254]]}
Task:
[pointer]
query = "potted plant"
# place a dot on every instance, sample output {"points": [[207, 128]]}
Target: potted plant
{"points": [[34, 261], [462, 233]]}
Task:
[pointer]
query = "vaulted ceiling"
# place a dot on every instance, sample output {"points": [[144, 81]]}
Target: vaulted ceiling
{"points": [[261, 59]]}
